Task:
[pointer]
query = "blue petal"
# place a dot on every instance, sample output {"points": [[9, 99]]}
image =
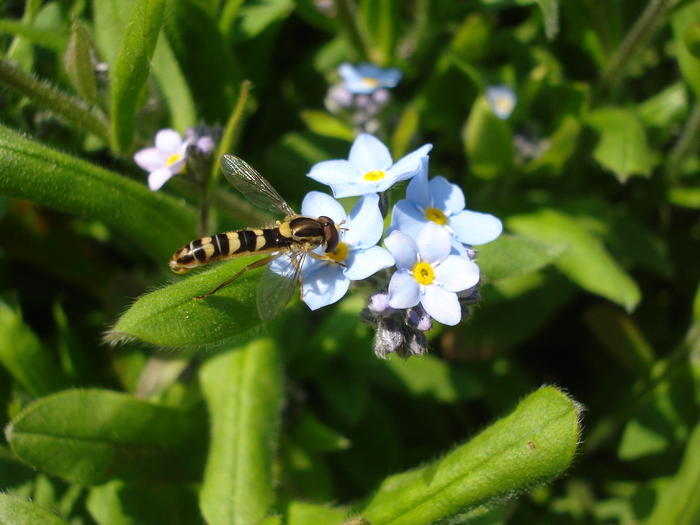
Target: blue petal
{"points": [[363, 263], [316, 204], [408, 166], [365, 223], [418, 191], [326, 285], [456, 274], [403, 248], [446, 197], [471, 227], [331, 172], [434, 243], [406, 218], [443, 306], [368, 153], [404, 291]]}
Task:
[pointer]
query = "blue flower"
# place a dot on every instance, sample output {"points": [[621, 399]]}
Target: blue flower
{"points": [[428, 274], [326, 282], [442, 203], [366, 78], [369, 168], [502, 100]]}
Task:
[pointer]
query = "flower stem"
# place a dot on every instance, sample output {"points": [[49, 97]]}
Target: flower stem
{"points": [[636, 37]]}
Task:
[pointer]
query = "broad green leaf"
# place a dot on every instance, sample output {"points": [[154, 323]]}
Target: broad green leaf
{"points": [[682, 18], [303, 513], [92, 436], [561, 145], [512, 255], [170, 317], [256, 18], [382, 21], [622, 146], [488, 142], [243, 391], [18, 511], [587, 263], [158, 223], [665, 107], [686, 197], [678, 502], [78, 62], [120, 503], [23, 355], [132, 68], [325, 124], [68, 108], [111, 17], [532, 445]]}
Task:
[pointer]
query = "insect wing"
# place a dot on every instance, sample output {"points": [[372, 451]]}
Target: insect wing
{"points": [[253, 185], [277, 284]]}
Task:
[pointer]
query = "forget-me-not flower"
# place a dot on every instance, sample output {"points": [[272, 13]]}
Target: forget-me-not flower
{"points": [[169, 156], [502, 100], [428, 274], [442, 203], [366, 78], [369, 168], [326, 282]]}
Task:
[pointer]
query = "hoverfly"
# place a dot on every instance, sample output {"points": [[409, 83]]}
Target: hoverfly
{"points": [[295, 237]]}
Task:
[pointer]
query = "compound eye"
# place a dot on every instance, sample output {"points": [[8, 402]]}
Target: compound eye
{"points": [[331, 234]]}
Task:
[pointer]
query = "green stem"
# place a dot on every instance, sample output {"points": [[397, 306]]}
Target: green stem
{"points": [[347, 13], [685, 143], [646, 24], [71, 109]]}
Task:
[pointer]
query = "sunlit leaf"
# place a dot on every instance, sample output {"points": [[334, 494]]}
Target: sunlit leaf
{"points": [[511, 255], [14, 510], [488, 142]]}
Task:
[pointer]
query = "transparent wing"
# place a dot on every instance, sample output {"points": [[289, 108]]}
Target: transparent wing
{"points": [[251, 184], [277, 284]]}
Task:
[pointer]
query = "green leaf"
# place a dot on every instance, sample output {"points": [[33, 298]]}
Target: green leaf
{"points": [[314, 436], [678, 502], [41, 37], [170, 317], [303, 513], [70, 109], [158, 223], [587, 263], [667, 106], [561, 146], [622, 147], [132, 67], [173, 85], [532, 445], [686, 197], [512, 255], [692, 39], [78, 62], [488, 142], [92, 436], [682, 18], [18, 511], [23, 355], [243, 391], [325, 124], [382, 21], [550, 14]]}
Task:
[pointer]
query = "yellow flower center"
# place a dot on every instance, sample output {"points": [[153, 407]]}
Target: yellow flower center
{"points": [[435, 215], [370, 82], [423, 273], [340, 253], [374, 175], [173, 159]]}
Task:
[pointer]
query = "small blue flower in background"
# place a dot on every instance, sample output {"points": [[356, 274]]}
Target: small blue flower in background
{"points": [[440, 202], [428, 274], [169, 156], [502, 100], [369, 168], [326, 282], [366, 78]]}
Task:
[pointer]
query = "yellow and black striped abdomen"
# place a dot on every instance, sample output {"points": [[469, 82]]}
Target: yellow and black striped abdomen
{"points": [[227, 246]]}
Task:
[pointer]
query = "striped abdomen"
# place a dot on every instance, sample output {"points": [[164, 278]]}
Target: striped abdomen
{"points": [[226, 246]]}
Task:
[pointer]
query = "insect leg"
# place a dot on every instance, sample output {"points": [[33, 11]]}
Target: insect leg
{"points": [[251, 266]]}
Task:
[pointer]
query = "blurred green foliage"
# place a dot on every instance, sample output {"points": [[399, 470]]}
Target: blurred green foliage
{"points": [[218, 419]]}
